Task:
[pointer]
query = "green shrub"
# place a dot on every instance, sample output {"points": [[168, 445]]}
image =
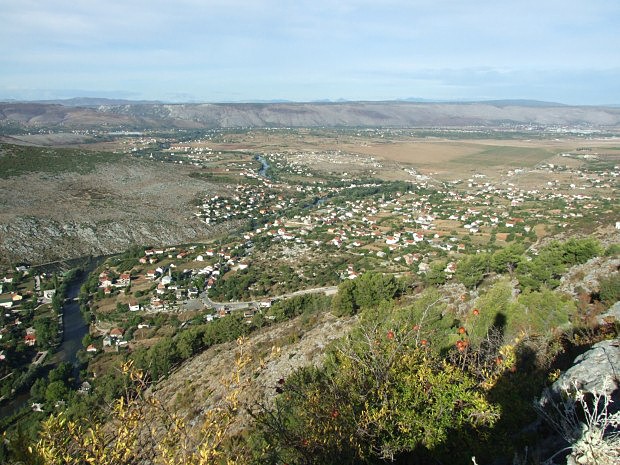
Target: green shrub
{"points": [[609, 289], [379, 396]]}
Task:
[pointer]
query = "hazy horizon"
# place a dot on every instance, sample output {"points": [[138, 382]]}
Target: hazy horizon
{"points": [[77, 101], [354, 50]]}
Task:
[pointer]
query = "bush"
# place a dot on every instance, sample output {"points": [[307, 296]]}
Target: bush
{"points": [[379, 396], [609, 289]]}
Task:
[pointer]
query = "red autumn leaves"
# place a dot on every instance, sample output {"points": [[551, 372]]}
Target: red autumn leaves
{"points": [[463, 343]]}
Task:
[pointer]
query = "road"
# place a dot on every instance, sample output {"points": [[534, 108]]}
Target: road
{"points": [[327, 290]]}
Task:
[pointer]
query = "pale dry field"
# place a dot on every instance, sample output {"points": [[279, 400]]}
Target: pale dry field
{"points": [[442, 158]]}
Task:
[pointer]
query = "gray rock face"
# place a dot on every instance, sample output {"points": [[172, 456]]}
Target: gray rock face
{"points": [[586, 277], [591, 370], [610, 316]]}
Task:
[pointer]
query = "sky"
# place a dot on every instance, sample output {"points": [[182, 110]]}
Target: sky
{"points": [[565, 51]]}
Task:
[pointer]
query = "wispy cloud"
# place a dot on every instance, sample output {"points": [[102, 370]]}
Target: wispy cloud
{"points": [[309, 49]]}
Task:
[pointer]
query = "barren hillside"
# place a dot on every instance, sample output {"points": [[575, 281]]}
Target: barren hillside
{"points": [[351, 114], [48, 216]]}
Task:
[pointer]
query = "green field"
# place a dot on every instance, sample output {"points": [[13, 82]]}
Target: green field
{"points": [[16, 160]]}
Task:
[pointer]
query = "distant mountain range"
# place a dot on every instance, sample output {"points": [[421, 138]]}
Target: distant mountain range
{"points": [[92, 113]]}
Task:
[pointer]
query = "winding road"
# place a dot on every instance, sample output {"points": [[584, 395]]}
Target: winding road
{"points": [[327, 290]]}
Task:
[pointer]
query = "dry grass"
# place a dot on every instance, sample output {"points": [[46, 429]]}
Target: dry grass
{"points": [[418, 152]]}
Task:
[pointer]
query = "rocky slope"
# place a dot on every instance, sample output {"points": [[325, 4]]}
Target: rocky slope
{"points": [[275, 352], [351, 114], [46, 217]]}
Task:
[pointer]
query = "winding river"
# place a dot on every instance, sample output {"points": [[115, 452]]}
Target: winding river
{"points": [[74, 326]]}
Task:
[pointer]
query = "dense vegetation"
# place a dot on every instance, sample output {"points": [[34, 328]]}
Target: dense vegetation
{"points": [[421, 379], [17, 373], [17, 160]]}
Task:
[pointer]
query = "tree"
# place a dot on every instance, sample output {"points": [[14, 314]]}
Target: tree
{"points": [[508, 258], [372, 288], [471, 269], [56, 390], [344, 302], [87, 340], [544, 269], [47, 331], [61, 373], [436, 274], [37, 391], [188, 343], [577, 251]]}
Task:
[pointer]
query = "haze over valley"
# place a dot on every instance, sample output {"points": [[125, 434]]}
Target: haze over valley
{"points": [[266, 233]]}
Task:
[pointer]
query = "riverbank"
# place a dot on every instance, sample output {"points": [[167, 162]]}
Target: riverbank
{"points": [[73, 330]]}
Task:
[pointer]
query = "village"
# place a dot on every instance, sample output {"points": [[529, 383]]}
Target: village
{"points": [[31, 323], [294, 242], [308, 221]]}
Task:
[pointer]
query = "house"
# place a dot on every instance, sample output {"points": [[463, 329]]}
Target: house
{"points": [[124, 279], [107, 341], [48, 294], [423, 268], [417, 237], [37, 407], [450, 268], [134, 306], [91, 349], [6, 301], [116, 333], [84, 388], [30, 340]]}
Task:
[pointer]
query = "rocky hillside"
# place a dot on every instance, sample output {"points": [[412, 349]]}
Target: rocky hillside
{"points": [[275, 353], [51, 216], [352, 114]]}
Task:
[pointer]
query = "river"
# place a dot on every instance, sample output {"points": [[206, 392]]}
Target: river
{"points": [[264, 167], [263, 173], [74, 326]]}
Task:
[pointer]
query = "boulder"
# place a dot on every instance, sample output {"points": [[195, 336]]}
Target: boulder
{"points": [[597, 370], [610, 316]]}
